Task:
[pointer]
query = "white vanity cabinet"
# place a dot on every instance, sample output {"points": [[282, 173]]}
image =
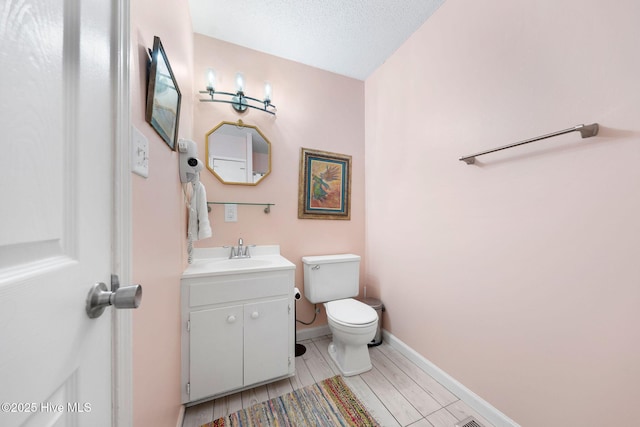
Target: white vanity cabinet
{"points": [[238, 331]]}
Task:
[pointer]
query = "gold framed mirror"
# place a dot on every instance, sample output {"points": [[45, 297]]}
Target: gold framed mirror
{"points": [[238, 153]]}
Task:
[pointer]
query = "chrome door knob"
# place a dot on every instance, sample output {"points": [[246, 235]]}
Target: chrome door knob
{"points": [[100, 297]]}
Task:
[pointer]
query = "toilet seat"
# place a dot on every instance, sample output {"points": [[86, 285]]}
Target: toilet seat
{"points": [[350, 312]]}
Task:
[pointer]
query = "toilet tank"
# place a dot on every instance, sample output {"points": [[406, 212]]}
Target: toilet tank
{"points": [[331, 277]]}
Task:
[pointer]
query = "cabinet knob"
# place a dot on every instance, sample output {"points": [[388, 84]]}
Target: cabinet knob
{"points": [[255, 315], [231, 319]]}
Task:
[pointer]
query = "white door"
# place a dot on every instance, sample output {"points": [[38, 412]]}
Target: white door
{"points": [[231, 170], [55, 210]]}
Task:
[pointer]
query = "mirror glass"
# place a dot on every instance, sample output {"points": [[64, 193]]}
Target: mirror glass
{"points": [[238, 153]]}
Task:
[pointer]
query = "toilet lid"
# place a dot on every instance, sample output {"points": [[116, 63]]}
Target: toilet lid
{"points": [[351, 312]]}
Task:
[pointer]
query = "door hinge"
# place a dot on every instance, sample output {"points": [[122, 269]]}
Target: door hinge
{"points": [[289, 360], [188, 325], [289, 308], [188, 389]]}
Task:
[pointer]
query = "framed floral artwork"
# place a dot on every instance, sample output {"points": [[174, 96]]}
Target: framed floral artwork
{"points": [[324, 189]]}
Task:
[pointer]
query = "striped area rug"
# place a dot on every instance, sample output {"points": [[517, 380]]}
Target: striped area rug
{"points": [[327, 403]]}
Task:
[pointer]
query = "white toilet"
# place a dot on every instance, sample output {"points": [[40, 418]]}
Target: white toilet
{"points": [[333, 280]]}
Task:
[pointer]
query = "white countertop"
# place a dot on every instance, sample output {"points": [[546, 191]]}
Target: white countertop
{"points": [[215, 261]]}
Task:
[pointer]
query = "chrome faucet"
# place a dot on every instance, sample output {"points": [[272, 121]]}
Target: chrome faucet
{"points": [[241, 251]]}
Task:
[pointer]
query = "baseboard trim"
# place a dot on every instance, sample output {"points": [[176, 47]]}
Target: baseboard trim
{"points": [[180, 416], [480, 405], [311, 333]]}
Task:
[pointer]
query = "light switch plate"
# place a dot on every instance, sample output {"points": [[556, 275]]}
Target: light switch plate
{"points": [[230, 212], [139, 153]]}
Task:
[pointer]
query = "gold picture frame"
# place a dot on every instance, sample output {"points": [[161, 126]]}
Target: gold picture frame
{"points": [[324, 188]]}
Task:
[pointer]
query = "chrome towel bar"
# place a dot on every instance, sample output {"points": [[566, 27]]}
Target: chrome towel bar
{"points": [[267, 208], [586, 131]]}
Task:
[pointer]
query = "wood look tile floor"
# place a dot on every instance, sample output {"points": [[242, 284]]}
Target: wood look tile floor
{"points": [[396, 391]]}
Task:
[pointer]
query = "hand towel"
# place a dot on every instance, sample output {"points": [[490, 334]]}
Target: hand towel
{"points": [[199, 226]]}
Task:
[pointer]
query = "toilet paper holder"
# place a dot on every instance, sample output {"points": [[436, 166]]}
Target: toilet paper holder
{"points": [[299, 348]]}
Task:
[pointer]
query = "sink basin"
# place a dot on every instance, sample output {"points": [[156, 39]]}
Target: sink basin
{"points": [[211, 263]]}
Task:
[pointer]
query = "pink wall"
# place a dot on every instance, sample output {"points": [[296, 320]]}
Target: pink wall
{"points": [[525, 260], [518, 276], [159, 218], [317, 110]]}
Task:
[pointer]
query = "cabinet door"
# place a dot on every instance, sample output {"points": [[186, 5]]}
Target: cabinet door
{"points": [[215, 351], [266, 340]]}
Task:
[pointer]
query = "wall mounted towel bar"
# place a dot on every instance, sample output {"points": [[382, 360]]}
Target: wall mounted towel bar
{"points": [[586, 131], [267, 208]]}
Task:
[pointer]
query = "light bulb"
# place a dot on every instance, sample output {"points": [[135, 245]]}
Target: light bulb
{"points": [[239, 82], [211, 79], [268, 92]]}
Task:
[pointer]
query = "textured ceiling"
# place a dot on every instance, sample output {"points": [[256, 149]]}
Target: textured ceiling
{"points": [[348, 37]]}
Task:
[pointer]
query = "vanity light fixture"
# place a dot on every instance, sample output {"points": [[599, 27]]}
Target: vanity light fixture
{"points": [[238, 100]]}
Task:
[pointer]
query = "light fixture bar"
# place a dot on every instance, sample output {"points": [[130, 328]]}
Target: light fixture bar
{"points": [[240, 101]]}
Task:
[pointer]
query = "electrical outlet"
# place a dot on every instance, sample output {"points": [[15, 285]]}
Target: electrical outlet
{"points": [[139, 153], [230, 212]]}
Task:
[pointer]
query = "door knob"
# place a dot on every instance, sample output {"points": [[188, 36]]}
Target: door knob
{"points": [[255, 315], [120, 297]]}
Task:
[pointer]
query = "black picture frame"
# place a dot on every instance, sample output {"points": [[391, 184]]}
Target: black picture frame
{"points": [[163, 96]]}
